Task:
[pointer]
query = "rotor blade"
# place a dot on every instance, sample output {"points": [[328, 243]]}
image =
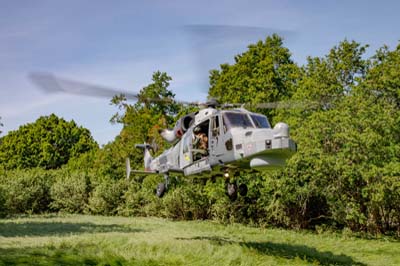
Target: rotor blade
{"points": [[277, 105], [209, 33], [214, 45], [288, 105], [52, 84]]}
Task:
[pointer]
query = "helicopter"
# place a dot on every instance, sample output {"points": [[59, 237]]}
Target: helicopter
{"points": [[212, 142], [217, 140]]}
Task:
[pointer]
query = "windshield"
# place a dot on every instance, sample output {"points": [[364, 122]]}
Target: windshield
{"points": [[260, 121], [232, 120]]}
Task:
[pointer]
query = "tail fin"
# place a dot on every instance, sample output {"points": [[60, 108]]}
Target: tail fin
{"points": [[147, 156]]}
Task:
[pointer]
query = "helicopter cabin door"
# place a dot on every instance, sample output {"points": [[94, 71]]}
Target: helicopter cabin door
{"points": [[195, 150], [186, 151], [216, 150]]}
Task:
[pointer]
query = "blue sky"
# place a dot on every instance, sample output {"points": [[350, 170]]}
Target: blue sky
{"points": [[121, 43]]}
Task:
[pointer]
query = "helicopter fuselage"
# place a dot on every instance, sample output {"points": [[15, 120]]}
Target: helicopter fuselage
{"points": [[237, 140]]}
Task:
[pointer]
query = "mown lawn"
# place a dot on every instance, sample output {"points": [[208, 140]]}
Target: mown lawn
{"points": [[96, 240]]}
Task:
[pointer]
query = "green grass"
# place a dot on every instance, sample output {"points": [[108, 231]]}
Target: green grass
{"points": [[95, 240]]}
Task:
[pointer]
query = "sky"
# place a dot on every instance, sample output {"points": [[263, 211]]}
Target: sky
{"points": [[121, 43]]}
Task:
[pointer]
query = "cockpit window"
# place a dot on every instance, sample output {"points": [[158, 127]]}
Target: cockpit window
{"points": [[260, 121], [232, 120]]}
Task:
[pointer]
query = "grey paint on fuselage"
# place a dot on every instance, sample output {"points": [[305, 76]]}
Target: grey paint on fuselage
{"points": [[229, 148]]}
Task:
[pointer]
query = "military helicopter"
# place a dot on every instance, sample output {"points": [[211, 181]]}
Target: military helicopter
{"points": [[219, 139], [225, 141]]}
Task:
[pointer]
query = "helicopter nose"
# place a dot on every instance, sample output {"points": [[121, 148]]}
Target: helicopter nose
{"points": [[281, 130]]}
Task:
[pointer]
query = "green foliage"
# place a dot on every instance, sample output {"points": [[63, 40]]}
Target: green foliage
{"points": [[70, 192], [325, 81], [383, 192], [186, 202], [140, 198], [264, 73], [3, 208], [107, 196], [339, 144], [26, 191], [142, 121], [109, 162], [348, 140], [47, 143], [135, 201], [85, 162], [345, 175], [244, 209], [383, 79]]}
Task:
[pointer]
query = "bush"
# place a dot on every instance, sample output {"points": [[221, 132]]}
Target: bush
{"points": [[27, 191], [244, 209], [186, 202], [107, 196], [47, 143], [294, 197], [136, 201], [219, 202], [70, 192], [3, 210], [383, 192], [147, 203]]}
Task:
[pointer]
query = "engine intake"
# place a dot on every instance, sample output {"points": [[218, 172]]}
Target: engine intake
{"points": [[181, 126]]}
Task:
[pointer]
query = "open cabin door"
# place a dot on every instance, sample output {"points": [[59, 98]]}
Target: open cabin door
{"points": [[185, 154], [191, 162], [216, 140]]}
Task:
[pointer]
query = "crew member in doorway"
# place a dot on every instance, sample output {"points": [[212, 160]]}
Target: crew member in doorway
{"points": [[200, 143]]}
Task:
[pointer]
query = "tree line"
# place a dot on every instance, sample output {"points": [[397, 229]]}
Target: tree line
{"points": [[344, 117]]}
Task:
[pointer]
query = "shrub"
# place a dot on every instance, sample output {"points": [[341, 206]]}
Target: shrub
{"points": [[136, 201], [186, 202], [146, 202], [107, 196], [219, 202], [3, 210], [70, 192], [383, 193], [27, 191]]}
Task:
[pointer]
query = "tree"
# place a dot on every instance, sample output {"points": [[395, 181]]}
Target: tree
{"points": [[264, 73], [383, 78], [1, 124], [334, 75], [47, 143], [154, 110], [348, 147], [325, 81]]}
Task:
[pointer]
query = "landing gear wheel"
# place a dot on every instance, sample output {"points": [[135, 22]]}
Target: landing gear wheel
{"points": [[161, 188], [231, 191], [243, 190]]}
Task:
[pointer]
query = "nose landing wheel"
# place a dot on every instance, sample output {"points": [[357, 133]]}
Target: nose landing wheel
{"points": [[243, 190], [232, 190]]}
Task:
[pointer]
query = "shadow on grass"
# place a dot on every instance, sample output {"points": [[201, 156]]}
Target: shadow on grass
{"points": [[13, 229], [283, 250], [213, 239], [309, 254], [67, 257]]}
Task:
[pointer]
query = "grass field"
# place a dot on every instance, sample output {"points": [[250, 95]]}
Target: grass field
{"points": [[96, 240]]}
